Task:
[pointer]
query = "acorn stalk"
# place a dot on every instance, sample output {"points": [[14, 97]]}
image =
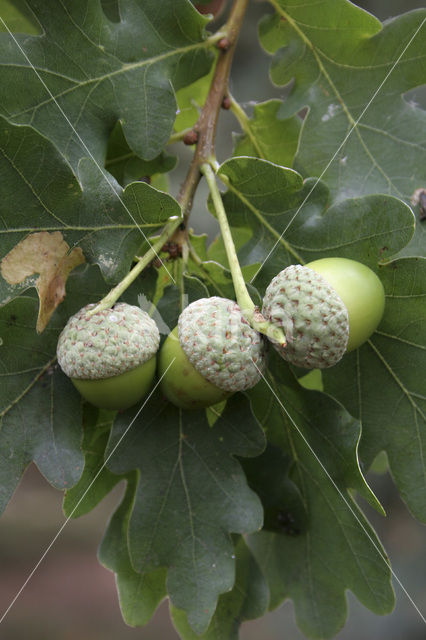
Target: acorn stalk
{"points": [[248, 308]]}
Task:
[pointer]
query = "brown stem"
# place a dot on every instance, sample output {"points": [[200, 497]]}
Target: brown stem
{"points": [[207, 122]]}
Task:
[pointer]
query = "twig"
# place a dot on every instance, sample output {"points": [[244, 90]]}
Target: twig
{"points": [[207, 122]]}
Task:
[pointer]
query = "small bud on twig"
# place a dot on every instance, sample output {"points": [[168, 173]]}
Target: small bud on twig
{"points": [[223, 44], [226, 102], [190, 137]]}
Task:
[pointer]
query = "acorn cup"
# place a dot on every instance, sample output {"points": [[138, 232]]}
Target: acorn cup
{"points": [[110, 356]]}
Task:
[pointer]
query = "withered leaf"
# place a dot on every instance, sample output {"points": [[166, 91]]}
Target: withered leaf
{"points": [[48, 255]]}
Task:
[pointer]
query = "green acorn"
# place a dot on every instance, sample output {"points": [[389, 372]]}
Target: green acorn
{"points": [[110, 356], [211, 354], [361, 292], [311, 313], [325, 308]]}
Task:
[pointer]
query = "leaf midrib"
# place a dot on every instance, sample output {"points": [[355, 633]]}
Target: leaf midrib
{"points": [[279, 237], [125, 68], [66, 227]]}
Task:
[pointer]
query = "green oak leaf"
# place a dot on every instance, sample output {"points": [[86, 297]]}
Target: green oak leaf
{"points": [[127, 167], [316, 556], [387, 393], [139, 593], [292, 223], [199, 243], [208, 265], [352, 73], [190, 101], [85, 73], [248, 600], [336, 77], [267, 135], [168, 309], [96, 480], [191, 495], [91, 211], [269, 476], [194, 288], [217, 251], [40, 411], [218, 279]]}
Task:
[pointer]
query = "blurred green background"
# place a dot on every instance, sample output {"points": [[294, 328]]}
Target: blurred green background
{"points": [[71, 596]]}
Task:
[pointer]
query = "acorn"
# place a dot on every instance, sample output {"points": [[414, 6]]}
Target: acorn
{"points": [[110, 356], [327, 307], [361, 291], [312, 315], [211, 354]]}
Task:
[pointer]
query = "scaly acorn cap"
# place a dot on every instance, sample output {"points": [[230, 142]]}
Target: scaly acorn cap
{"points": [[221, 345], [107, 343], [311, 313]]}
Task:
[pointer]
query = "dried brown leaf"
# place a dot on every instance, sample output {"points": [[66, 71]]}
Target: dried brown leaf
{"points": [[48, 255]]}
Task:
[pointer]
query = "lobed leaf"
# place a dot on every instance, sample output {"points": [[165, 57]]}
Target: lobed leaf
{"points": [[96, 480], [86, 72], [269, 136], [127, 167], [190, 496], [292, 223], [40, 411], [352, 73], [315, 553], [39, 192], [139, 593], [246, 601], [336, 77]]}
